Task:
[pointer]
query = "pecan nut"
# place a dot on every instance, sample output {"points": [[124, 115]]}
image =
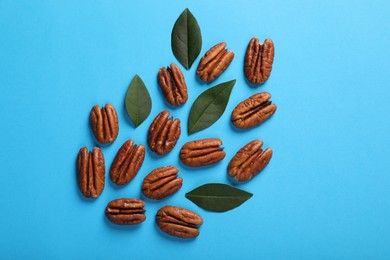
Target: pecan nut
{"points": [[178, 222], [253, 111], [161, 182], [127, 162], [163, 133], [173, 85], [126, 211], [258, 60], [249, 161], [202, 152], [214, 62], [104, 123], [91, 172]]}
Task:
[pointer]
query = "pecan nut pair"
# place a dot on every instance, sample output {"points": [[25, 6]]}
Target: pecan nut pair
{"points": [[161, 182], [253, 111], [202, 152], [249, 161], [126, 211], [127, 162], [163, 133], [104, 123], [258, 60], [214, 62], [91, 172], [178, 222], [173, 85]]}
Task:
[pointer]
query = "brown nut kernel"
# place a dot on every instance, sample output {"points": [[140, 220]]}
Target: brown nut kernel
{"points": [[253, 111], [202, 152], [173, 85], [161, 183], [126, 211], [104, 123], [214, 62], [163, 133], [178, 222], [249, 161], [127, 162], [258, 60], [91, 172]]}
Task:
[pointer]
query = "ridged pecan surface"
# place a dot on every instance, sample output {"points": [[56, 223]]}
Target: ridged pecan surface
{"points": [[253, 111], [104, 123], [127, 162], [126, 211], [178, 222], [249, 161], [91, 172], [214, 62], [258, 60], [173, 85], [202, 152], [161, 183], [163, 133]]}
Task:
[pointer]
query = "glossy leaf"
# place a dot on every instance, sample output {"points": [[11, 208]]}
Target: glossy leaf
{"points": [[209, 106], [218, 197], [186, 39], [138, 102]]}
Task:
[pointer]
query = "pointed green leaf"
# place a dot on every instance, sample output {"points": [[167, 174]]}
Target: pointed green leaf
{"points": [[209, 106], [218, 197], [138, 102], [186, 39]]}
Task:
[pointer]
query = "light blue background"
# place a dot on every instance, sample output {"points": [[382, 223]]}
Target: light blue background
{"points": [[326, 192]]}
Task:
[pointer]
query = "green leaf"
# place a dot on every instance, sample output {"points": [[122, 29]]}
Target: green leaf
{"points": [[209, 106], [186, 39], [218, 197], [137, 101]]}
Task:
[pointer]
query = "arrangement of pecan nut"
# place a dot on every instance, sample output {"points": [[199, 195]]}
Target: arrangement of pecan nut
{"points": [[127, 162], [202, 152], [104, 123], [161, 182], [178, 222], [173, 85], [214, 62], [253, 111], [126, 211], [91, 172], [258, 60], [163, 133], [249, 161]]}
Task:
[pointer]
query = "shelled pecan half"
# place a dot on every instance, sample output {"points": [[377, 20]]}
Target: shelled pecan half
{"points": [[258, 60], [104, 123], [214, 62], [173, 85], [91, 172], [253, 111], [126, 211], [178, 222], [202, 152], [249, 161], [163, 133], [127, 162], [161, 182]]}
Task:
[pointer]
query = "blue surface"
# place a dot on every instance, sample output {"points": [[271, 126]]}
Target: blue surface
{"points": [[326, 192]]}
